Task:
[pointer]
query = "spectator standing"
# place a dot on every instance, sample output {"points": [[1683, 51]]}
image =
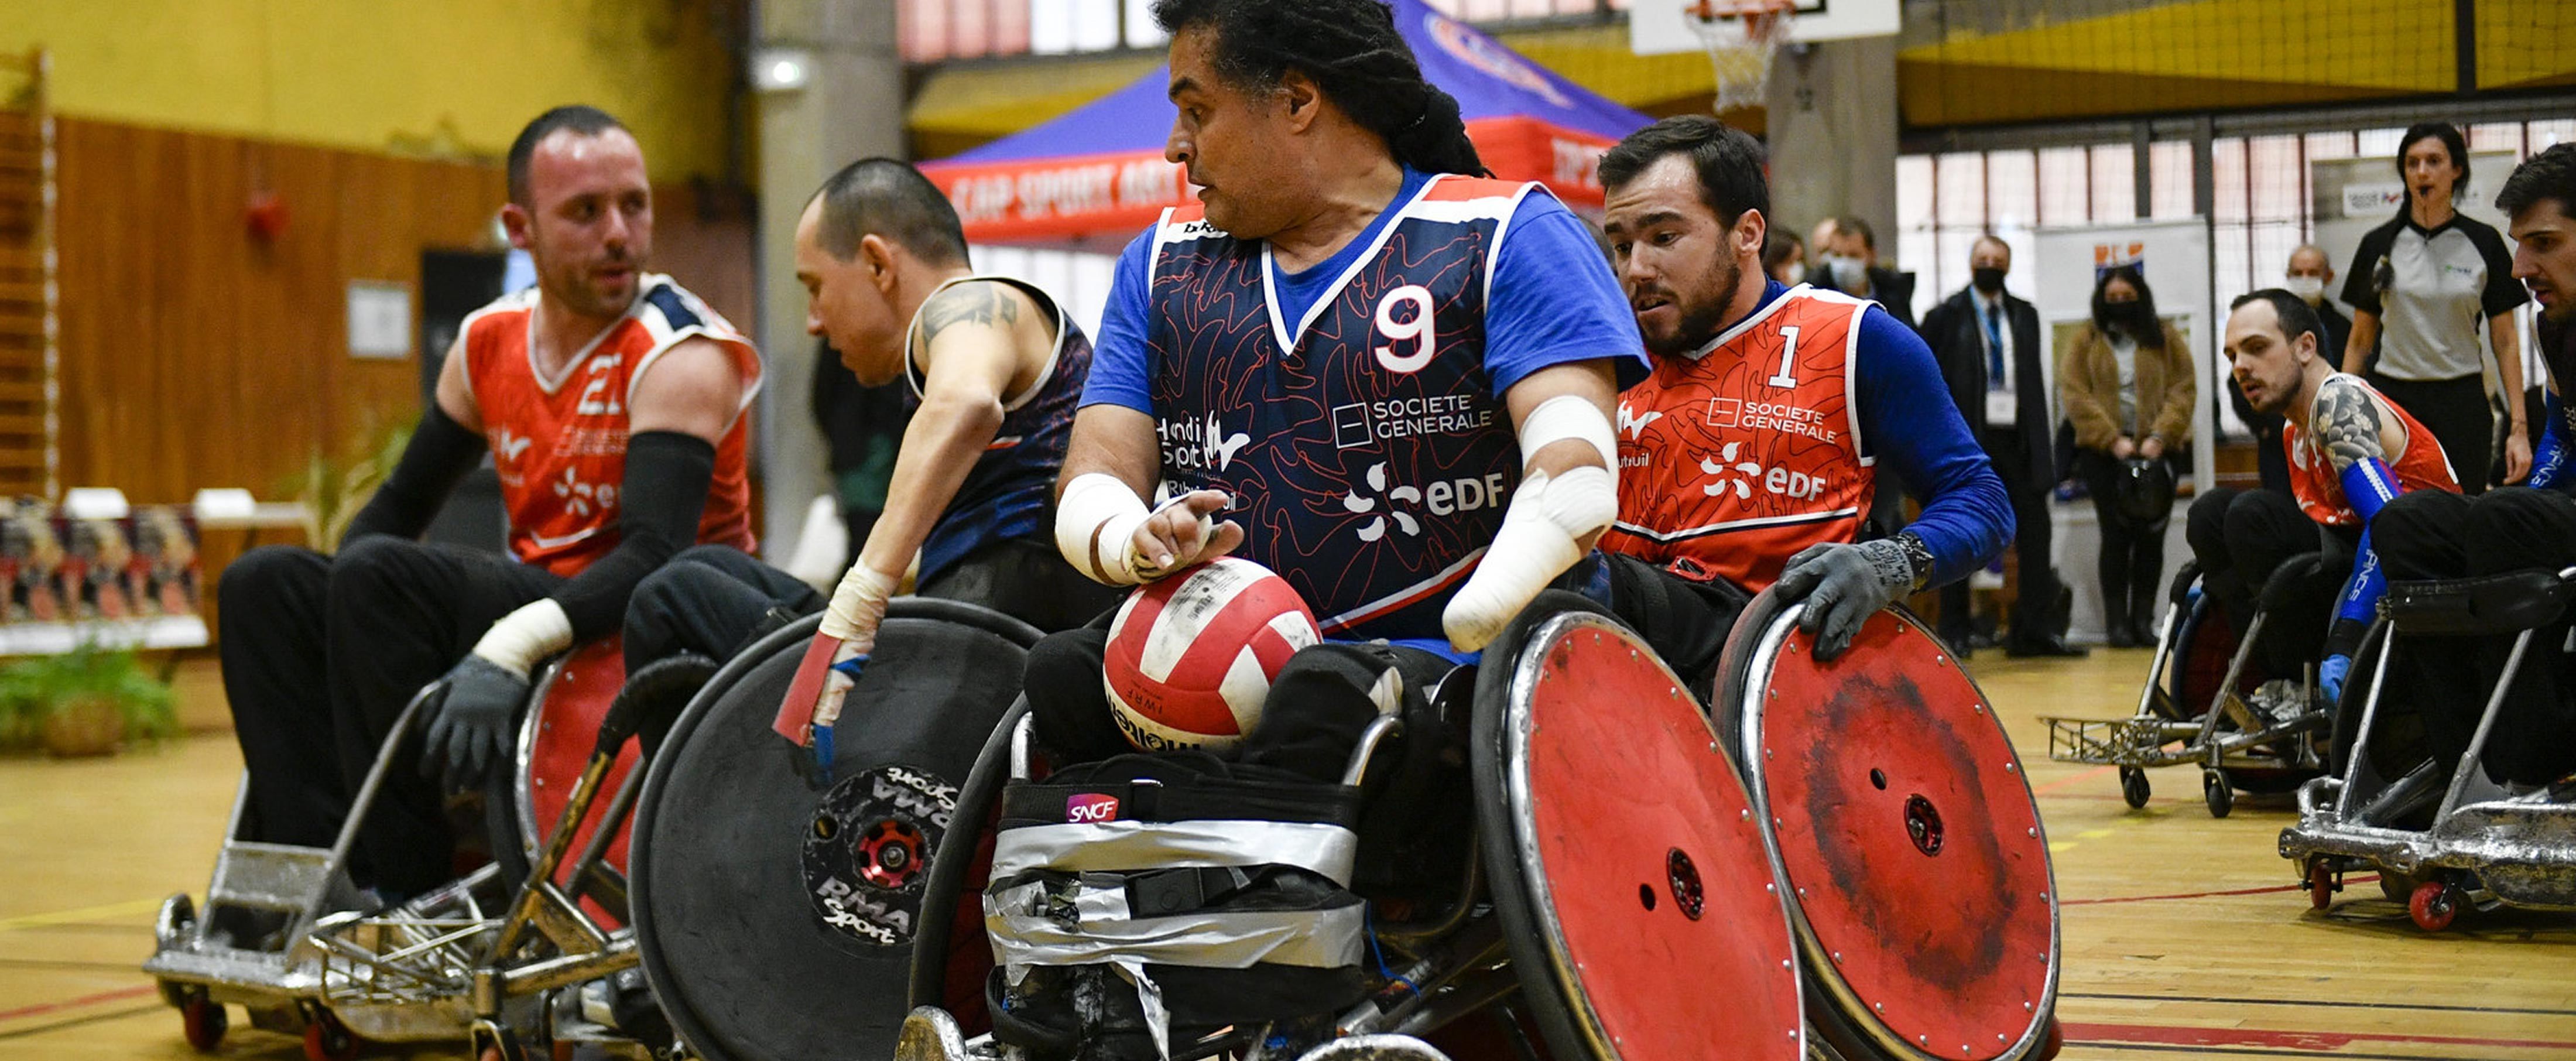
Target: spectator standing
{"points": [[1987, 343], [2126, 384]]}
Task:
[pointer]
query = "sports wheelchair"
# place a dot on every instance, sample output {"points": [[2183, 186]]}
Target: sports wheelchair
{"points": [[2479, 845], [2210, 699], [492, 956], [1849, 848]]}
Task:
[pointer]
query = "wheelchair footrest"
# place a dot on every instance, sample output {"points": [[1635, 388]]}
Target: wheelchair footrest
{"points": [[2134, 741]]}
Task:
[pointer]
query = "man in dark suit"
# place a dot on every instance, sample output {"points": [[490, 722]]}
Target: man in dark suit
{"points": [[1988, 344]]}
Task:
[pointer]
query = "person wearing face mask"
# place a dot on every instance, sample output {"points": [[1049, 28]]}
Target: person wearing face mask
{"points": [[1987, 342], [1847, 261], [2308, 276], [1784, 258], [2419, 287], [2126, 385]]}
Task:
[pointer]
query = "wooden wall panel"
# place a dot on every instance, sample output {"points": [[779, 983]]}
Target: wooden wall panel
{"points": [[195, 354]]}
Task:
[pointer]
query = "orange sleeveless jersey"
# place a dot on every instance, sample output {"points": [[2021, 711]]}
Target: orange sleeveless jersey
{"points": [[560, 444], [1734, 458], [2320, 490]]}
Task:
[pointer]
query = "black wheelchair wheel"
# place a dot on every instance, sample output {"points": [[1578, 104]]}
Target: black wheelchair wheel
{"points": [[775, 914]]}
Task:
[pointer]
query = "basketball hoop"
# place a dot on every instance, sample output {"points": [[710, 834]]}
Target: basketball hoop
{"points": [[1742, 36]]}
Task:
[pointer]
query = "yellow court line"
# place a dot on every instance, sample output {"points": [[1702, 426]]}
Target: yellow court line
{"points": [[87, 913]]}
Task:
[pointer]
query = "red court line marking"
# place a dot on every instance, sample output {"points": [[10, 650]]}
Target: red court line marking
{"points": [[2066, 781], [2296, 1040], [74, 1003], [2208, 895]]}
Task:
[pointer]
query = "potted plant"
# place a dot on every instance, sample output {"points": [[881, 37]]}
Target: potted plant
{"points": [[87, 701]]}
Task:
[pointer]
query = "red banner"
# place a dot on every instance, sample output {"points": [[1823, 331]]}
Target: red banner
{"points": [[1044, 200]]}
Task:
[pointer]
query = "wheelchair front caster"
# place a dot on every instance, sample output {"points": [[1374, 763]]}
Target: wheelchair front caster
{"points": [[326, 1039], [203, 1020], [2214, 790], [2435, 904], [2323, 882], [2133, 786]]}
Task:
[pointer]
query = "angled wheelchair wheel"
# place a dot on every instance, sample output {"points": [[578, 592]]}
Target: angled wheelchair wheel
{"points": [[2201, 648], [1623, 855], [776, 911], [556, 738], [1906, 838]]}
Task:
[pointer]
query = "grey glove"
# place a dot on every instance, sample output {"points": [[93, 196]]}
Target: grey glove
{"points": [[471, 733], [1844, 584]]}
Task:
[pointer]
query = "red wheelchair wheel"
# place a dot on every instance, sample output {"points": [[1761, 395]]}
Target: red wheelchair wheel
{"points": [[1626, 860], [1906, 837]]}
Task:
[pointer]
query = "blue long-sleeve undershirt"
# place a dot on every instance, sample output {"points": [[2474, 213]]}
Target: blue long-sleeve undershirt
{"points": [[1909, 425], [2368, 486], [2550, 455]]}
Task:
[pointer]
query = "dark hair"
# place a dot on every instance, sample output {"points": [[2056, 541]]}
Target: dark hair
{"points": [[1728, 161], [2292, 311], [2137, 279], [2550, 174], [1984, 238], [582, 120], [2452, 142], [1848, 225], [890, 199], [1351, 49]]}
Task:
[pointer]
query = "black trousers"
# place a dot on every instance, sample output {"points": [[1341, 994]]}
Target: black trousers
{"points": [[2035, 613], [710, 600], [2456, 411], [2431, 534], [2132, 559], [321, 654], [1327, 694], [2238, 538]]}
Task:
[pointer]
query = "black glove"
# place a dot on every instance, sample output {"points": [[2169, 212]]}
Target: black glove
{"points": [[1844, 584], [472, 733]]}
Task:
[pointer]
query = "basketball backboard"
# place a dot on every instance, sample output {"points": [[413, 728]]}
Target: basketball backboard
{"points": [[1656, 27]]}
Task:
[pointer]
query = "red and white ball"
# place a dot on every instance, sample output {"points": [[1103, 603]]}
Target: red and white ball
{"points": [[1191, 657]]}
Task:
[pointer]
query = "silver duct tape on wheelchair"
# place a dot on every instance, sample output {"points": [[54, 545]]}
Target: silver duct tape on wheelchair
{"points": [[1060, 896], [1130, 893]]}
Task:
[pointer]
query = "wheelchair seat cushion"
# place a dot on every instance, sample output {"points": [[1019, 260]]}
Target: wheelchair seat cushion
{"points": [[2486, 605]]}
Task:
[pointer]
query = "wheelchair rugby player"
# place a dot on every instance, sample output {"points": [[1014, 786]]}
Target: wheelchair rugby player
{"points": [[1133, 907]]}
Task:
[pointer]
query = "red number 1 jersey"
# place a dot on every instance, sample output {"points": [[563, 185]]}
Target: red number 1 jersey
{"points": [[1736, 456], [560, 443]]}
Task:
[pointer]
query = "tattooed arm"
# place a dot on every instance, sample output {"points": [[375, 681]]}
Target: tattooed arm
{"points": [[2348, 425], [975, 341]]}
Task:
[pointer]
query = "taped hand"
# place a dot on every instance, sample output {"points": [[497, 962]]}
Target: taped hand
{"points": [[472, 734], [1844, 584]]}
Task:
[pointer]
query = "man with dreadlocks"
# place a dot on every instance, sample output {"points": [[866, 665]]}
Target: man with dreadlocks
{"points": [[1389, 376]]}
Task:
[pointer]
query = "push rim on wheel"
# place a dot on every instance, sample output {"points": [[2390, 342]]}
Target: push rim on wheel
{"points": [[1935, 837], [729, 866], [1625, 859]]}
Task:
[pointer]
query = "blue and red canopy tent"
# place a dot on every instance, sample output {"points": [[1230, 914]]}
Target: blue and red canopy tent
{"points": [[1098, 171]]}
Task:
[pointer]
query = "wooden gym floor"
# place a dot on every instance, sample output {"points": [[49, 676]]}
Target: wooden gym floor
{"points": [[2184, 936]]}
